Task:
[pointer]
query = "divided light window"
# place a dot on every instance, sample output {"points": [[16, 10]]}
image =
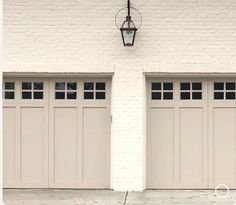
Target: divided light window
{"points": [[94, 90], [162, 91], [190, 91], [9, 90], [66, 90], [32, 90], [224, 90]]}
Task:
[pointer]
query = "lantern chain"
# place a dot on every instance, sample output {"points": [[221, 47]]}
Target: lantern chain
{"points": [[128, 7]]}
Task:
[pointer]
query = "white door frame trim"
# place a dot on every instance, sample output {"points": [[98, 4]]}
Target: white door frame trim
{"points": [[190, 74], [57, 74]]}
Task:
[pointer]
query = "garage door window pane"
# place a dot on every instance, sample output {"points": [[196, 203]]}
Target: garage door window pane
{"points": [[197, 86], [9, 85], [9, 95], [168, 96], [218, 95], [71, 86], [100, 86], [185, 95], [185, 86], [218, 86], [196, 95], [100, 95], [71, 95], [60, 86], [230, 95], [156, 86], [38, 95], [26, 95], [38, 86], [230, 86], [88, 86], [167, 86], [60, 95], [156, 96], [88, 95], [26, 86]]}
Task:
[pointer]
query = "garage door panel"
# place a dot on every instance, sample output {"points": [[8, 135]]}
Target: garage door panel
{"points": [[80, 134], [204, 132], [32, 145], [9, 130], [56, 132], [191, 143], [187, 126], [95, 155], [161, 150], [224, 145], [65, 146]]}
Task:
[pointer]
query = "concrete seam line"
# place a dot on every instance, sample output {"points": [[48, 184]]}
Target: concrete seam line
{"points": [[126, 195]]}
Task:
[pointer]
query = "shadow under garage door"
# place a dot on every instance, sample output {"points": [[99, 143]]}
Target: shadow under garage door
{"points": [[191, 133], [56, 132]]}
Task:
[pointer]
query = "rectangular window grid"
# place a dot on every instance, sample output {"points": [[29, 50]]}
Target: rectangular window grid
{"points": [[32, 90], [95, 90], [66, 90], [162, 91], [9, 90], [190, 91], [224, 90]]}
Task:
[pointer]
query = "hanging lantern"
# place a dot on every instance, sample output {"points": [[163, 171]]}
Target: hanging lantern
{"points": [[128, 29], [128, 32]]}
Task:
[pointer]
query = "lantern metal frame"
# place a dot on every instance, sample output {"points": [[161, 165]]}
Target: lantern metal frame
{"points": [[128, 22], [125, 29]]}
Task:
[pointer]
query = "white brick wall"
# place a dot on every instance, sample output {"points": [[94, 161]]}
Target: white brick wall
{"points": [[80, 36], [128, 132], [71, 35]]}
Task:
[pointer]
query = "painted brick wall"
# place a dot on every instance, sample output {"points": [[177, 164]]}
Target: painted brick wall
{"points": [[128, 133], [80, 36], [185, 34]]}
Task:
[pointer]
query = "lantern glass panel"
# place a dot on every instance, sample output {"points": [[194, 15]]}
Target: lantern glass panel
{"points": [[128, 36], [128, 31]]}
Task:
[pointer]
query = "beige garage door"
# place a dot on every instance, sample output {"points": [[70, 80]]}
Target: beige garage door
{"points": [[191, 133], [56, 133]]}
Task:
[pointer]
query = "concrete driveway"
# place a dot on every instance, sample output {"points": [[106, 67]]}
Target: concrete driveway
{"points": [[107, 197]]}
